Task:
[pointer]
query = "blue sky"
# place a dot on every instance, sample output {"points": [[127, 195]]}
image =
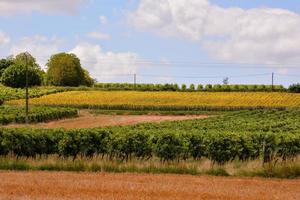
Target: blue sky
{"points": [[199, 42]]}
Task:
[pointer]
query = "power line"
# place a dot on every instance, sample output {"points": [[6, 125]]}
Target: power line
{"points": [[186, 64], [176, 76]]}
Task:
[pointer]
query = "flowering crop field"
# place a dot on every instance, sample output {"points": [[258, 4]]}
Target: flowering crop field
{"points": [[166, 100]]}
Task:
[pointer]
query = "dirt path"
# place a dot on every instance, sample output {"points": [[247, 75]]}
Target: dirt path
{"points": [[64, 185], [88, 120]]}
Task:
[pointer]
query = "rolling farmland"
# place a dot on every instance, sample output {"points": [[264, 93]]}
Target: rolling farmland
{"points": [[167, 100]]}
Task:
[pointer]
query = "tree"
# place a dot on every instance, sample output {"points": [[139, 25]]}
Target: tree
{"points": [[226, 81], [88, 80], [15, 74], [192, 88], [294, 88], [5, 63], [200, 87], [183, 87], [65, 70]]}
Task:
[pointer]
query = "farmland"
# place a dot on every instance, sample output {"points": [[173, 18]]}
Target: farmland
{"points": [[167, 100], [10, 114], [265, 135], [67, 186], [223, 133]]}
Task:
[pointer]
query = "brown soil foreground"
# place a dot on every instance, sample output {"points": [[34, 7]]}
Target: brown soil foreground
{"points": [[88, 120], [65, 185]]}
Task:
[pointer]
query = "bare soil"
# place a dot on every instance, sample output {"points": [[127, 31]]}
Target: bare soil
{"points": [[88, 120], [66, 185]]}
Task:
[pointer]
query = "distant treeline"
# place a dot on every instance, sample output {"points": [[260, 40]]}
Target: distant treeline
{"points": [[190, 88]]}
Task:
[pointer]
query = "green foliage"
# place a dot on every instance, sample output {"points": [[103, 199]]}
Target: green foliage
{"points": [[65, 70], [245, 135], [200, 88], [294, 88], [88, 80], [170, 146], [192, 88], [10, 114], [5, 63], [15, 74]]}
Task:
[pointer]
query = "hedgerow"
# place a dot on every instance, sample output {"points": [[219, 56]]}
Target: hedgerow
{"points": [[189, 88]]}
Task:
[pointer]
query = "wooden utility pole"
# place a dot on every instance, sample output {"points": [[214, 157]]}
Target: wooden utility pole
{"points": [[26, 88], [134, 81], [272, 81]]}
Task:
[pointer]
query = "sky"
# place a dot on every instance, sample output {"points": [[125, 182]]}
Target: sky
{"points": [[162, 41]]}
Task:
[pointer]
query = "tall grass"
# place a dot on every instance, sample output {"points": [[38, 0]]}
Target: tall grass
{"points": [[289, 169]]}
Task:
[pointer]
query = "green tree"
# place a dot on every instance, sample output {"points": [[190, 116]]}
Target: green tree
{"points": [[5, 63], [65, 70], [88, 80], [183, 87], [15, 74], [192, 88]]}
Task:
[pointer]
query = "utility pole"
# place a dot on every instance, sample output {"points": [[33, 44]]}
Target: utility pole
{"points": [[26, 88], [272, 81], [134, 81]]}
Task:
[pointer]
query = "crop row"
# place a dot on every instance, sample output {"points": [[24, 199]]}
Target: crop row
{"points": [[10, 114], [219, 147], [190, 88], [167, 100]]}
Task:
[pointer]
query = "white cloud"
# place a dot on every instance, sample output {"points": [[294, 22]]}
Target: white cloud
{"points": [[103, 19], [99, 36], [230, 34], [12, 7], [4, 39], [39, 46], [105, 65]]}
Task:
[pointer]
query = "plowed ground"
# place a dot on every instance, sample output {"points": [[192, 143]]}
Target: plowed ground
{"points": [[64, 185]]}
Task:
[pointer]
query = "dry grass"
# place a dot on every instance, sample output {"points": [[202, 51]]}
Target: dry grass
{"points": [[62, 185]]}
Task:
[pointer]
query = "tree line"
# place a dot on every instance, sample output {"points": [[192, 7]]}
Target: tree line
{"points": [[63, 69]]}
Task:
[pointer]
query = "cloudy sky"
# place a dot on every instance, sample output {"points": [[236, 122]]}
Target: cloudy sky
{"points": [[183, 41]]}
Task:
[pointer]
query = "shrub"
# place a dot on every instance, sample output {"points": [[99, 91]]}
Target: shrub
{"points": [[183, 87], [200, 88], [294, 88], [170, 146], [192, 88], [208, 87]]}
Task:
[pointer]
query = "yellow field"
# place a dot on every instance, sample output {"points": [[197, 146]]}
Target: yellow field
{"points": [[168, 99]]}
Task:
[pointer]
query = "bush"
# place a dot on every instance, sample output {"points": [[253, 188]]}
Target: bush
{"points": [[183, 87], [200, 88], [65, 70], [15, 76], [294, 88], [170, 146], [208, 87], [192, 88]]}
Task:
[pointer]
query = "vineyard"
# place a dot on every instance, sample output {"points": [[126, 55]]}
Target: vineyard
{"points": [[10, 114], [167, 100], [243, 135]]}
